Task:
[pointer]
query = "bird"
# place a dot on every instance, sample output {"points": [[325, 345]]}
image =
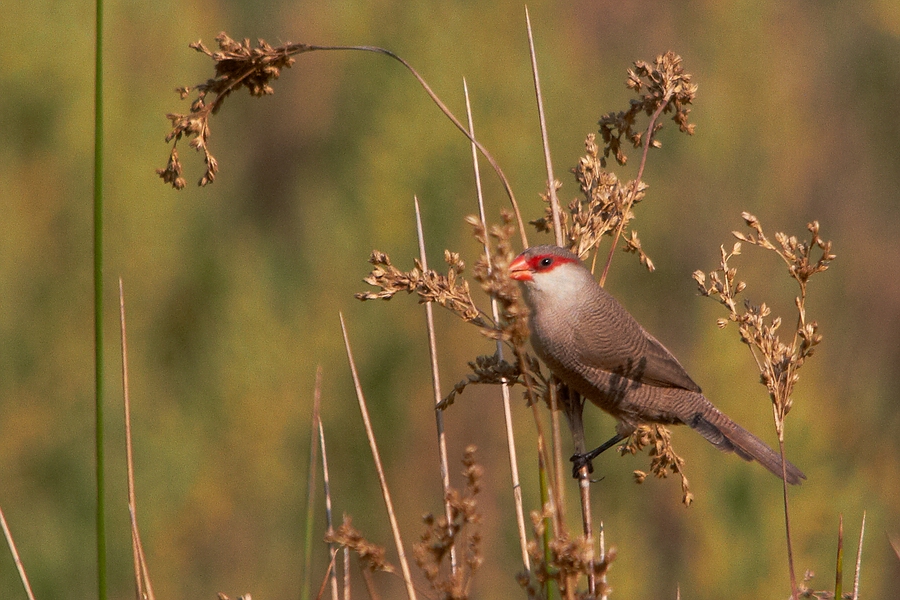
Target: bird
{"points": [[593, 344]]}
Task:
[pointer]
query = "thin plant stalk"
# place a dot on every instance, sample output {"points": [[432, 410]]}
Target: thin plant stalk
{"points": [[839, 567], [329, 515], [779, 428], [795, 591], [346, 573], [329, 574], [147, 593], [648, 139], [311, 488], [143, 588], [449, 114], [549, 590], [576, 423], [557, 440], [404, 564], [98, 301], [862, 531], [436, 386], [544, 463], [504, 386], [557, 229], [15, 554], [551, 181]]}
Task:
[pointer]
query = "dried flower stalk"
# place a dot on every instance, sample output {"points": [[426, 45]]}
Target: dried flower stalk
{"points": [[778, 362], [663, 458], [238, 65], [440, 537], [371, 556], [568, 560], [606, 206]]}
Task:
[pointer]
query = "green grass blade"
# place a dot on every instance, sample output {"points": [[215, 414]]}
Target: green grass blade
{"points": [[98, 300]]}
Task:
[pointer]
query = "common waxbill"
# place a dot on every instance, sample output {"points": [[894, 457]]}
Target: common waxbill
{"points": [[594, 345]]}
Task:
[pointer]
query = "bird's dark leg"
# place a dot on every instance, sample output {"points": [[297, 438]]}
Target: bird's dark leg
{"points": [[584, 460]]}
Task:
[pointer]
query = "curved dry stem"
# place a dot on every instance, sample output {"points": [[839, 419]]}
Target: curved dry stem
{"points": [[238, 65], [449, 114]]}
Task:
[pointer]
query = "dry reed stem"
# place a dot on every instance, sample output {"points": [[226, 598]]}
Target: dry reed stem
{"points": [[329, 515], [787, 523], [862, 531], [392, 517], [311, 481], [346, 573], [584, 486], [504, 384], [551, 187], [15, 554], [557, 440], [553, 473], [554, 210], [895, 546], [839, 563], [436, 387], [329, 574], [319, 432], [143, 588]]}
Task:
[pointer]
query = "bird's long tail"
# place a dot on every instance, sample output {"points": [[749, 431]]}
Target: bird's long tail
{"points": [[728, 436]]}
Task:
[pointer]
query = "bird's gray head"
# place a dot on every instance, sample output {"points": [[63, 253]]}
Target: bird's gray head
{"points": [[550, 269]]}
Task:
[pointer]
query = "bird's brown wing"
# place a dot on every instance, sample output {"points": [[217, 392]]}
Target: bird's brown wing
{"points": [[663, 369], [614, 346]]}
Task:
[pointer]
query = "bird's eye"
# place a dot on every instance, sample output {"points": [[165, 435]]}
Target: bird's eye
{"points": [[546, 262]]}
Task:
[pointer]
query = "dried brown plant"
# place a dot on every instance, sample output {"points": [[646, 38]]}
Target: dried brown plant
{"points": [[371, 555], [564, 561], [433, 549], [450, 291], [606, 206], [778, 362], [663, 458], [238, 65], [666, 87]]}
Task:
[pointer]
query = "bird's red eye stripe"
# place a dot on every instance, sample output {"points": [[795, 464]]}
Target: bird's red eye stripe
{"points": [[545, 262]]}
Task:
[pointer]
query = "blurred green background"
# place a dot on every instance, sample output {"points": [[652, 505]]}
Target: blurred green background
{"points": [[233, 290]]}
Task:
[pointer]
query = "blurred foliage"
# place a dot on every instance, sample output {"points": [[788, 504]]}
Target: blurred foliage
{"points": [[233, 290]]}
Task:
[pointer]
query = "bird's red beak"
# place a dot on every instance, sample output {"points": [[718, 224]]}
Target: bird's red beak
{"points": [[519, 269]]}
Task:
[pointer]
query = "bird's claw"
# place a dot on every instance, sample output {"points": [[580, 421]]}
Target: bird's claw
{"points": [[580, 461]]}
